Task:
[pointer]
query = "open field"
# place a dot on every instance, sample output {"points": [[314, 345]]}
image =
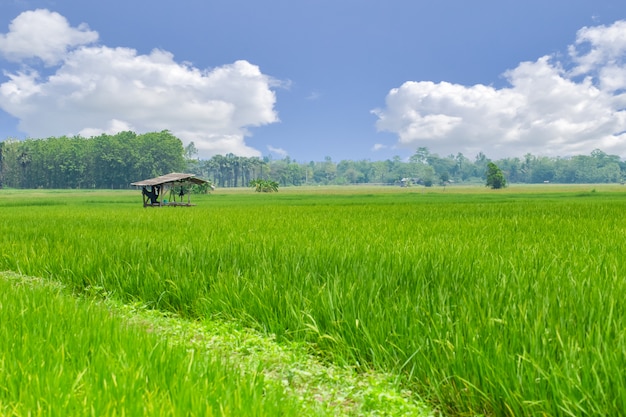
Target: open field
{"points": [[481, 301]]}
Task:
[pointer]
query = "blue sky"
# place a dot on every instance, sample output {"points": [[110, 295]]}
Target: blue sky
{"points": [[314, 78]]}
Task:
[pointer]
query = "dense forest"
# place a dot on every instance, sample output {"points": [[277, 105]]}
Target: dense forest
{"points": [[106, 161], [114, 161]]}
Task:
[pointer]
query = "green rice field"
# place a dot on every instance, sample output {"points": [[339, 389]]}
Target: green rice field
{"points": [[479, 302], [67, 357]]}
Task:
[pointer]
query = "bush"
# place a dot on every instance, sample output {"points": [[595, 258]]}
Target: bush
{"points": [[265, 186]]}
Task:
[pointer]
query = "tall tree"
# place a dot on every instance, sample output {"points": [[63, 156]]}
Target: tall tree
{"points": [[495, 177]]}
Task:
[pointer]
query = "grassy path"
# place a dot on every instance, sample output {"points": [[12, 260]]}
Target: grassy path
{"points": [[292, 382]]}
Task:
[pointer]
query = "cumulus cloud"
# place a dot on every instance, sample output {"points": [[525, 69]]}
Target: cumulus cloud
{"points": [[546, 109], [98, 89], [43, 34], [604, 54]]}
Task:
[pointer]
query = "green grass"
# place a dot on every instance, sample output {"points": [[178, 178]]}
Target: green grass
{"points": [[91, 355], [63, 356], [503, 302]]}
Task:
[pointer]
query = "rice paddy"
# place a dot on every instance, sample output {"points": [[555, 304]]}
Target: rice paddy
{"points": [[480, 302], [66, 357]]}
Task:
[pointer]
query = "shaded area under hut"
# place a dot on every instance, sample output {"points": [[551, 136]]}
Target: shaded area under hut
{"points": [[155, 190]]}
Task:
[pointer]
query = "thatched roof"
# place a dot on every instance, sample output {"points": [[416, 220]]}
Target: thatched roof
{"points": [[174, 177]]}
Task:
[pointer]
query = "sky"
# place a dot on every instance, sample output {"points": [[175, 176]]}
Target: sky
{"points": [[310, 79]]}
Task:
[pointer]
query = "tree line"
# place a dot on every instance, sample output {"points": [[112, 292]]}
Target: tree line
{"points": [[423, 168], [114, 161], [105, 161]]}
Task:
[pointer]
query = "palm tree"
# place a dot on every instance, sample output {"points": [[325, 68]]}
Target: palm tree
{"points": [[233, 171]]}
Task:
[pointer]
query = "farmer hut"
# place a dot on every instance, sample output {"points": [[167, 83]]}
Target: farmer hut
{"points": [[154, 190]]}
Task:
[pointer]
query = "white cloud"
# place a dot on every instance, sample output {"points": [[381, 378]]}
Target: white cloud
{"points": [[545, 110], [114, 127], [43, 34], [378, 147], [605, 46], [278, 151], [97, 89]]}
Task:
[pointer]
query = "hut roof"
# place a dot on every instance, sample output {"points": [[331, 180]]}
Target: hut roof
{"points": [[170, 178]]}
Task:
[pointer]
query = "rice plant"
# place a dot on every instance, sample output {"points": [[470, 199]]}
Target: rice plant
{"points": [[506, 303], [66, 357]]}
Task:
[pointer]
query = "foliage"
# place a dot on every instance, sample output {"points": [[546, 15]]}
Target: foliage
{"points": [[105, 161], [204, 188], [265, 186], [429, 168], [495, 177], [333, 272], [115, 161]]}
